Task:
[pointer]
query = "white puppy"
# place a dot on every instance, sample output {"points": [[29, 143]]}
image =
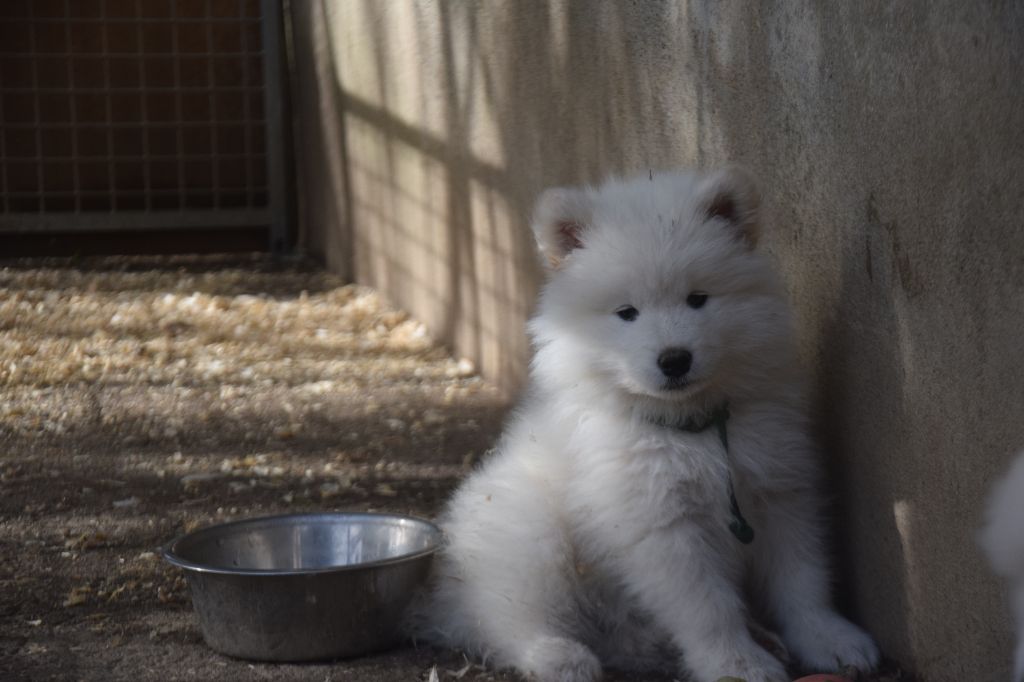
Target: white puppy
{"points": [[1002, 538], [613, 525]]}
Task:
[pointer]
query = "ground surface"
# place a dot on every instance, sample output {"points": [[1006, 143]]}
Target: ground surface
{"points": [[142, 398]]}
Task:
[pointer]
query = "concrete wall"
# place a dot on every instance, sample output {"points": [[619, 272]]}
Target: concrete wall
{"points": [[889, 138]]}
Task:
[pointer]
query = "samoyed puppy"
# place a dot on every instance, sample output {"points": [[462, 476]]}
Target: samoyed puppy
{"points": [[1002, 538], [656, 488]]}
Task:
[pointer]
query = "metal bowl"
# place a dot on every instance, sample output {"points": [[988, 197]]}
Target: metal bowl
{"points": [[305, 587]]}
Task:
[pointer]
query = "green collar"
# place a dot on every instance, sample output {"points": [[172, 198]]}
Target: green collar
{"points": [[699, 423]]}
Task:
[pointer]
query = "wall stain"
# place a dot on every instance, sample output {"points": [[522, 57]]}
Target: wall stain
{"points": [[867, 257], [902, 266]]}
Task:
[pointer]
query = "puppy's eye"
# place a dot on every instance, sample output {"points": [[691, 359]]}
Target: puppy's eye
{"points": [[697, 299], [627, 313]]}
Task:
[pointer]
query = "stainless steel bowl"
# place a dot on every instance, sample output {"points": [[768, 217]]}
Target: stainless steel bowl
{"points": [[305, 587]]}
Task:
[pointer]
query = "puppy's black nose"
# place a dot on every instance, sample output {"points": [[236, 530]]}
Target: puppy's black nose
{"points": [[675, 362]]}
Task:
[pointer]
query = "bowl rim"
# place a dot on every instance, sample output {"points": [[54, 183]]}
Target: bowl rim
{"points": [[170, 554]]}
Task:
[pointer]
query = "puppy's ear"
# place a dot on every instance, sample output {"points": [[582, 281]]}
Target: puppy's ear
{"points": [[731, 195], [560, 223]]}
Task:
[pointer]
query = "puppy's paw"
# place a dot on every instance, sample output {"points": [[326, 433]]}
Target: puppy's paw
{"points": [[829, 642], [769, 641], [559, 659], [751, 664]]}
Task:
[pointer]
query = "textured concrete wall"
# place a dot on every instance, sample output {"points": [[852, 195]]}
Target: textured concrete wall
{"points": [[889, 138]]}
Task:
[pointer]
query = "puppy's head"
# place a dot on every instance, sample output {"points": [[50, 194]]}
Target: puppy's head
{"points": [[656, 287]]}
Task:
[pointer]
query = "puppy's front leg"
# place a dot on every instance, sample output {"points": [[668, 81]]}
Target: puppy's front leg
{"points": [[790, 563], [685, 583]]}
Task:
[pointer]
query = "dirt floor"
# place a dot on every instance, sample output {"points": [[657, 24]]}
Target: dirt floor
{"points": [[141, 398]]}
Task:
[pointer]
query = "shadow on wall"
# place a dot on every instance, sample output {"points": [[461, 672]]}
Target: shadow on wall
{"points": [[886, 139], [322, 179], [437, 130]]}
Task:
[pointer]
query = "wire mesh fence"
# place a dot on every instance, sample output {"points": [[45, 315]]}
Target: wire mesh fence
{"points": [[127, 114]]}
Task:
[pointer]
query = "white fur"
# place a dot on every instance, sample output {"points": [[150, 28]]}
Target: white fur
{"points": [[594, 536], [1002, 538]]}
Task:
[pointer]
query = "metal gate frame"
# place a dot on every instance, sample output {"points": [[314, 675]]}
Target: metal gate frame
{"points": [[274, 216]]}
